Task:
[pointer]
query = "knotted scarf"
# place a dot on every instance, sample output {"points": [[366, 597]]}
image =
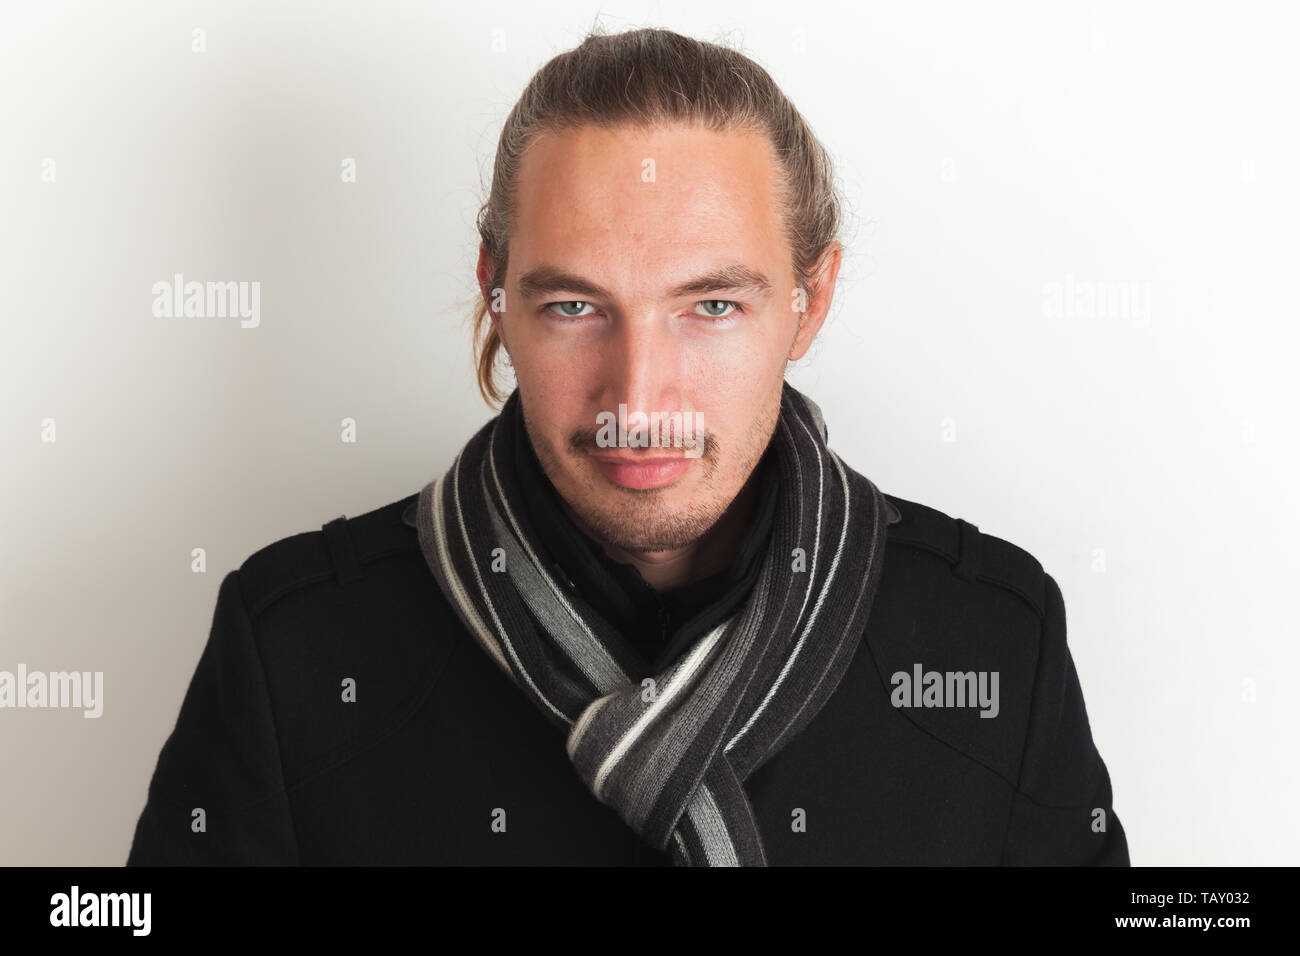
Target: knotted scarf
{"points": [[669, 751]]}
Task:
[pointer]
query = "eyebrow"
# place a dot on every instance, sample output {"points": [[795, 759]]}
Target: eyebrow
{"points": [[548, 279]]}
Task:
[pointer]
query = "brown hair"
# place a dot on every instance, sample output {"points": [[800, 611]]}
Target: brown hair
{"points": [[651, 77]]}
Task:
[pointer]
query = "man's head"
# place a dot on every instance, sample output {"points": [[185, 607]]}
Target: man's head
{"points": [[661, 236]]}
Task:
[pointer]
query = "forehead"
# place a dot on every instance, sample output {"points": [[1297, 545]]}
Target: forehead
{"points": [[598, 194]]}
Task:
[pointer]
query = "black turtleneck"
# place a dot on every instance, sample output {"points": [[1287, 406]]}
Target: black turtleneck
{"points": [[660, 624]]}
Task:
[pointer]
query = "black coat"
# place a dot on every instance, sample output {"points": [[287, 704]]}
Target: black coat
{"points": [[439, 748]]}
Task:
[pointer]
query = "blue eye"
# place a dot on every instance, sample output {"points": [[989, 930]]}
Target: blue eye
{"points": [[565, 315], [561, 309], [724, 303]]}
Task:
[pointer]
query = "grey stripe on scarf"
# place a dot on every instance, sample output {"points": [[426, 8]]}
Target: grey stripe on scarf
{"points": [[671, 757]]}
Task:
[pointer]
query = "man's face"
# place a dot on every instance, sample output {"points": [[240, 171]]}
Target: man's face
{"points": [[611, 225]]}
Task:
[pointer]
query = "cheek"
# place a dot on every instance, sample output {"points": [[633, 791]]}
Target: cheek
{"points": [[555, 399], [556, 356], [558, 378], [737, 367]]}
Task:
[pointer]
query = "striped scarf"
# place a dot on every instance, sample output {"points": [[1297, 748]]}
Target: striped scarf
{"points": [[668, 751]]}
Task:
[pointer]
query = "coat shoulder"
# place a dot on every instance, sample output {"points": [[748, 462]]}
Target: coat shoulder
{"points": [[340, 550], [971, 554], [353, 597], [956, 601]]}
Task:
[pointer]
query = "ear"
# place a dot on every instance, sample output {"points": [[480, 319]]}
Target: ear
{"points": [[483, 273], [823, 290]]}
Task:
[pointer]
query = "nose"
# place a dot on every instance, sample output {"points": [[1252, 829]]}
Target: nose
{"points": [[643, 365]]}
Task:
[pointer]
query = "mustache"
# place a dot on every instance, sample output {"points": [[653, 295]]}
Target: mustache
{"points": [[583, 442]]}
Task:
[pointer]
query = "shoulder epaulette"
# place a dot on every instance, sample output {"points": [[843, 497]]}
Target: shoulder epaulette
{"points": [[973, 555], [340, 550]]}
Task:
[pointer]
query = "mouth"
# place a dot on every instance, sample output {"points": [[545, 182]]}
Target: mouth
{"points": [[642, 472]]}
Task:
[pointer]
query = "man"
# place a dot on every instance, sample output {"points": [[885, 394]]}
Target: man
{"points": [[578, 645]]}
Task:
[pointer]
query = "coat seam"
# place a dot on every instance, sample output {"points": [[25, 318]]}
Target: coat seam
{"points": [[319, 577], [1024, 744], [979, 577], [927, 731], [270, 707]]}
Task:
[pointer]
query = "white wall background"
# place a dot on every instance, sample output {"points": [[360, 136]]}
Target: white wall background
{"points": [[986, 151]]}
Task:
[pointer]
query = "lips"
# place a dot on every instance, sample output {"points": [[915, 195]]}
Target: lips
{"points": [[642, 472]]}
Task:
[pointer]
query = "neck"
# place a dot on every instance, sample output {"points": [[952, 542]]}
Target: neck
{"points": [[707, 555]]}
